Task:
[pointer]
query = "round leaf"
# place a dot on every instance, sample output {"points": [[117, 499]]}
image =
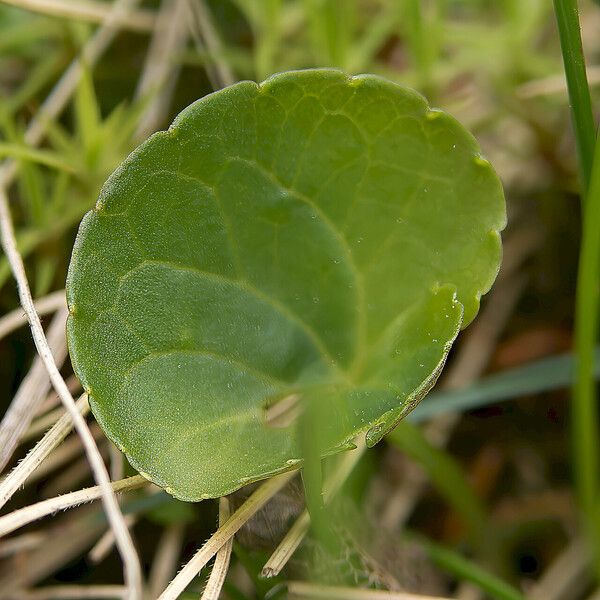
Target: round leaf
{"points": [[316, 237]]}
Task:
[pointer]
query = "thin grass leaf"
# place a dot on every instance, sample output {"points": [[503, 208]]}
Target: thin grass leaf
{"points": [[537, 377], [87, 116], [466, 570], [585, 432], [586, 436], [446, 475], [567, 18], [42, 157]]}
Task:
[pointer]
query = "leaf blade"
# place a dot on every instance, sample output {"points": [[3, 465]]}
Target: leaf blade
{"points": [[315, 236]]}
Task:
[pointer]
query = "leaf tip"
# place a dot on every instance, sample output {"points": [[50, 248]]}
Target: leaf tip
{"points": [[433, 113], [374, 435], [480, 161]]}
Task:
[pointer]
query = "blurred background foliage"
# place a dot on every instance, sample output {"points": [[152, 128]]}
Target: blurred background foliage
{"points": [[496, 482]]}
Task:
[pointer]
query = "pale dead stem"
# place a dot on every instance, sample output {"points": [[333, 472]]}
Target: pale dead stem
{"points": [[166, 558], [41, 424], [288, 545], [44, 306], [52, 400], [21, 543], [205, 33], [215, 582], [32, 391], [74, 592], [299, 590], [29, 514], [16, 478], [51, 107], [66, 538], [65, 452], [554, 84], [68, 478], [299, 529], [224, 533], [161, 68], [104, 545], [91, 11]]}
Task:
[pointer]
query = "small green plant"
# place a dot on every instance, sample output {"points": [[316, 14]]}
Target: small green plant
{"points": [[317, 239]]}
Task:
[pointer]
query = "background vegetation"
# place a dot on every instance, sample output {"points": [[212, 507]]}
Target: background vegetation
{"points": [[475, 496]]}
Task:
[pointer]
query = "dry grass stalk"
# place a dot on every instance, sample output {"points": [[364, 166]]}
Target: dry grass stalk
{"points": [[29, 514], [75, 592], [91, 11], [44, 306], [215, 582], [286, 548], [205, 34], [104, 545], [32, 391], [245, 512], [299, 590], [52, 106], [17, 477], [161, 68], [71, 448], [164, 564]]}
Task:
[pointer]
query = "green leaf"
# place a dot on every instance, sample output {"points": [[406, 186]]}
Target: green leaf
{"points": [[317, 237]]}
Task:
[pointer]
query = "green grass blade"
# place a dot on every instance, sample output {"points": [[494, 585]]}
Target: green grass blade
{"points": [[536, 377], [446, 475], [363, 52], [465, 570], [87, 115], [267, 35], [42, 157], [586, 438], [567, 18]]}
